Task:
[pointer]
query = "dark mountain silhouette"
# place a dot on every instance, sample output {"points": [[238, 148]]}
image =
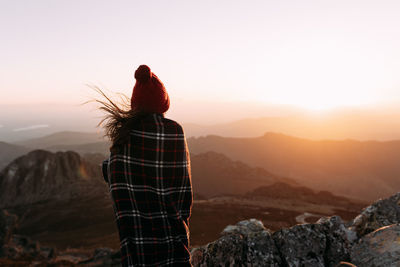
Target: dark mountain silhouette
{"points": [[367, 170], [360, 169], [41, 176], [216, 174], [61, 197], [282, 190]]}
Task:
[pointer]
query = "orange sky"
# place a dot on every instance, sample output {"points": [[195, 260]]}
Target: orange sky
{"points": [[313, 54]]}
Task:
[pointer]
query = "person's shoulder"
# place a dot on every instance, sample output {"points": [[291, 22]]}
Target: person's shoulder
{"points": [[173, 124]]}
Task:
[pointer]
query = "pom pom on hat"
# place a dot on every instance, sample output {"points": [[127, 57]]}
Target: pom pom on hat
{"points": [[149, 93], [143, 73]]}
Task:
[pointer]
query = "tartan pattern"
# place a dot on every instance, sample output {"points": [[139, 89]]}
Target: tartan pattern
{"points": [[150, 185]]}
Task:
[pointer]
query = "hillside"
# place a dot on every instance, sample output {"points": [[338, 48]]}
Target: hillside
{"points": [[360, 169], [61, 138], [215, 174], [60, 197], [366, 170], [41, 176]]}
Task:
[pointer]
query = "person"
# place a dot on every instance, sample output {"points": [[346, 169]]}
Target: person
{"points": [[149, 177]]}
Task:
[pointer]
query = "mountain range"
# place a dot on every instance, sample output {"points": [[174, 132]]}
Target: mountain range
{"points": [[42, 176], [333, 125], [61, 197], [360, 169]]}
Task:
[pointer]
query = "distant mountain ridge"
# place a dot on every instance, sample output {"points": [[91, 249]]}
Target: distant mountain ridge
{"points": [[280, 190], [62, 138], [360, 169], [41, 176], [215, 174], [61, 197], [322, 125]]}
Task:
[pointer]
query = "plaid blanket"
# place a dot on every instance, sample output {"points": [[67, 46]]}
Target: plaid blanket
{"points": [[150, 185]]}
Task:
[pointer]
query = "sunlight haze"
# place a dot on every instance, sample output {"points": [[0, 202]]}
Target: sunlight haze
{"points": [[221, 62], [311, 54]]}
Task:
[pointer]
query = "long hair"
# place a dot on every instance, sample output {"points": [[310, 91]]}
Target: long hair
{"points": [[119, 117]]}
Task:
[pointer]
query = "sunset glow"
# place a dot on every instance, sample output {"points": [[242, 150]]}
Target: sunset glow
{"points": [[310, 54]]}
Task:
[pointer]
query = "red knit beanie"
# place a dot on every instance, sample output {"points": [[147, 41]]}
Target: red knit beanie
{"points": [[149, 93]]}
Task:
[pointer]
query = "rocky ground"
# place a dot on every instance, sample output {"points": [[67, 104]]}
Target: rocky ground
{"points": [[370, 239]]}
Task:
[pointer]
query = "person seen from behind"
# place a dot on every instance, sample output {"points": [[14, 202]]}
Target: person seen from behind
{"points": [[149, 176]]}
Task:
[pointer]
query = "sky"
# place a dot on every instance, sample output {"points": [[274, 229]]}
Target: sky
{"points": [[310, 54]]}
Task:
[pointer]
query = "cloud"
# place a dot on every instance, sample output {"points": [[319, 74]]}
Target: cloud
{"points": [[31, 127], [1, 125]]}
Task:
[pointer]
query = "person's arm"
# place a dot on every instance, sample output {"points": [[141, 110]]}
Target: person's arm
{"points": [[188, 193], [104, 170]]}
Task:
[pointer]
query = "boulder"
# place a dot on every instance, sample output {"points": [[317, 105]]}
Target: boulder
{"points": [[103, 257], [248, 243], [302, 245], [381, 213], [7, 225], [22, 247], [378, 248], [338, 240]]}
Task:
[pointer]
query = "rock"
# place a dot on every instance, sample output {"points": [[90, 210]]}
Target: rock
{"points": [[102, 252], [7, 225], [381, 213], [226, 251], [103, 257], [248, 243], [76, 257], [378, 248], [345, 264], [46, 252], [338, 245], [245, 228], [23, 247], [301, 245]]}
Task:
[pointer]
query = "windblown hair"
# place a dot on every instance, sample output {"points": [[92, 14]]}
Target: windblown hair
{"points": [[119, 118]]}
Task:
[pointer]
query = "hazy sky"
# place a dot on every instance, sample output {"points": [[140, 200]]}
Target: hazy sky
{"points": [[313, 54]]}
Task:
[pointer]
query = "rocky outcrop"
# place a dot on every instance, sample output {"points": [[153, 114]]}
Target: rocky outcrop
{"points": [[246, 243], [329, 242], [381, 213], [249, 243], [41, 175], [7, 225], [21, 247], [379, 248]]}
